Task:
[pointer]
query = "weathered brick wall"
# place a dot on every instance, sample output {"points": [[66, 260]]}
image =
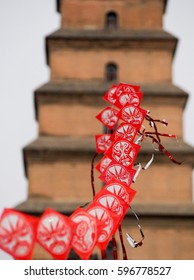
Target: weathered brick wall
{"points": [[132, 14], [133, 65]]}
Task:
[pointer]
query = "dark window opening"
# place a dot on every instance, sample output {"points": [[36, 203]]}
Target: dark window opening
{"points": [[111, 72], [111, 21]]}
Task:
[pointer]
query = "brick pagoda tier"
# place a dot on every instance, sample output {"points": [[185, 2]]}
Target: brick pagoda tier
{"points": [[101, 42]]}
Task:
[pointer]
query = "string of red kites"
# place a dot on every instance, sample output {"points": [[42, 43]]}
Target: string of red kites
{"points": [[96, 224]]}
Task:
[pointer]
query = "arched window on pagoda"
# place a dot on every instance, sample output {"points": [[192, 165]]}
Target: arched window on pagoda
{"points": [[111, 20], [111, 72]]}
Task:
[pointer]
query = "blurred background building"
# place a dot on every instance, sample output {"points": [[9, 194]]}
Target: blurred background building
{"points": [[100, 43]]}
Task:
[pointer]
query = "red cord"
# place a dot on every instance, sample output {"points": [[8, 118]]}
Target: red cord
{"points": [[122, 243], [92, 174], [114, 245], [103, 254]]}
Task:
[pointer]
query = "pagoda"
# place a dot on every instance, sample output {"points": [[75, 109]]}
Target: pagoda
{"points": [[99, 43]]}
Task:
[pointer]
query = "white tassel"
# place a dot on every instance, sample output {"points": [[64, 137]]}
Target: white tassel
{"points": [[137, 172], [148, 163]]}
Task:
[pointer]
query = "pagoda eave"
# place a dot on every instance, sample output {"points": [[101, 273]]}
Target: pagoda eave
{"points": [[116, 39], [50, 149], [58, 6], [86, 93], [89, 87], [37, 205]]}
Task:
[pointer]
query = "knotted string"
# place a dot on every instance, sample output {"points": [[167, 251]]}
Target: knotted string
{"points": [[152, 123], [155, 136]]}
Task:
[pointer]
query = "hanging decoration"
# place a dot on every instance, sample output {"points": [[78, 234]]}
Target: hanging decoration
{"points": [[17, 234], [55, 233], [97, 224]]}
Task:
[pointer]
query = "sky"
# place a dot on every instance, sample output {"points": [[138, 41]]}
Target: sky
{"points": [[23, 27]]}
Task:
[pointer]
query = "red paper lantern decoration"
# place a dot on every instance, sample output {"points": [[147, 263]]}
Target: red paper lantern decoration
{"points": [[85, 235], [110, 202], [108, 117], [123, 152], [132, 115], [109, 96], [105, 222], [126, 88], [103, 142], [125, 131], [132, 98], [115, 204], [103, 164], [55, 233], [117, 172], [85, 229], [17, 234], [121, 191]]}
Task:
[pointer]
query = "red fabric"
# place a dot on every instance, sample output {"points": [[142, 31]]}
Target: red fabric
{"points": [[17, 234], [108, 117], [55, 233]]}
